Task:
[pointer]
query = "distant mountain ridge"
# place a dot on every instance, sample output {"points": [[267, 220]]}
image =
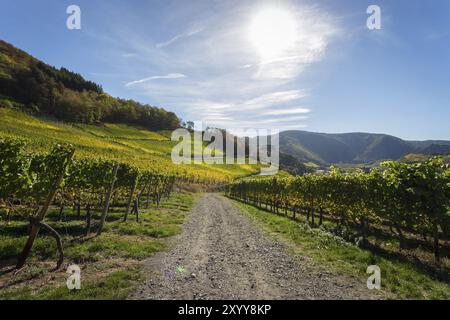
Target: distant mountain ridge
{"points": [[354, 148]]}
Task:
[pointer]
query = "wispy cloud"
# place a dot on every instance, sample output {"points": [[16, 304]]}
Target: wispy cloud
{"points": [[274, 98], [254, 105], [129, 55], [168, 76], [245, 66], [287, 111], [270, 110], [179, 36], [230, 83]]}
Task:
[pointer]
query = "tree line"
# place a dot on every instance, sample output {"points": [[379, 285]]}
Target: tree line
{"points": [[67, 96]]}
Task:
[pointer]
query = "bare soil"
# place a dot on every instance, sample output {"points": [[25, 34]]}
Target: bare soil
{"points": [[221, 254]]}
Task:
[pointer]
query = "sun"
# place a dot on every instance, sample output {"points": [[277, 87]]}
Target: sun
{"points": [[272, 32]]}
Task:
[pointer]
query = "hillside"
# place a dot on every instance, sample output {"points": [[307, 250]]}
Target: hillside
{"points": [[128, 144], [356, 148], [30, 84]]}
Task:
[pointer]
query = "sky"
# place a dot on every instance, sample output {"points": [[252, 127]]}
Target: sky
{"points": [[307, 65]]}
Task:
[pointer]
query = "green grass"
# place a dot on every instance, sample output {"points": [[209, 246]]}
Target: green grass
{"points": [[154, 223], [107, 246], [126, 243], [400, 280], [115, 286], [111, 243]]}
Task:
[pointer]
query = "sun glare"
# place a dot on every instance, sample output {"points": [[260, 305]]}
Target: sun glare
{"points": [[272, 32]]}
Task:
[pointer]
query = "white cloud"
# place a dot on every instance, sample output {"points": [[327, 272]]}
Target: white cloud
{"points": [[253, 105], [177, 37], [229, 83], [287, 111], [274, 98], [168, 76]]}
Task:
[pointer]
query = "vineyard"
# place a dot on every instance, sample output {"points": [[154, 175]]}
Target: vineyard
{"points": [[404, 199], [32, 183], [104, 196], [144, 149], [56, 180]]}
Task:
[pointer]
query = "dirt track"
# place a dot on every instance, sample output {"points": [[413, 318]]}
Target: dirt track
{"points": [[222, 255]]}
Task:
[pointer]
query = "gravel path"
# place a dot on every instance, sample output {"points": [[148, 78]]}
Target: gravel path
{"points": [[222, 255]]}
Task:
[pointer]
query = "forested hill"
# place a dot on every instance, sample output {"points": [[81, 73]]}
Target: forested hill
{"points": [[28, 83], [357, 147]]}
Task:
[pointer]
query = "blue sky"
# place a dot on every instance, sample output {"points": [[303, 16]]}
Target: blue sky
{"points": [[214, 60]]}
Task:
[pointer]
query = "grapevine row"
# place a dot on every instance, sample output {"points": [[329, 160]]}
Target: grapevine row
{"points": [[411, 198], [31, 183]]}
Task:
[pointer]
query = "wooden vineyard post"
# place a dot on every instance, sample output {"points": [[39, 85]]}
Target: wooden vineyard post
{"points": [[88, 219], [108, 200], [136, 206], [42, 212], [147, 205], [437, 255], [130, 198], [78, 204]]}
